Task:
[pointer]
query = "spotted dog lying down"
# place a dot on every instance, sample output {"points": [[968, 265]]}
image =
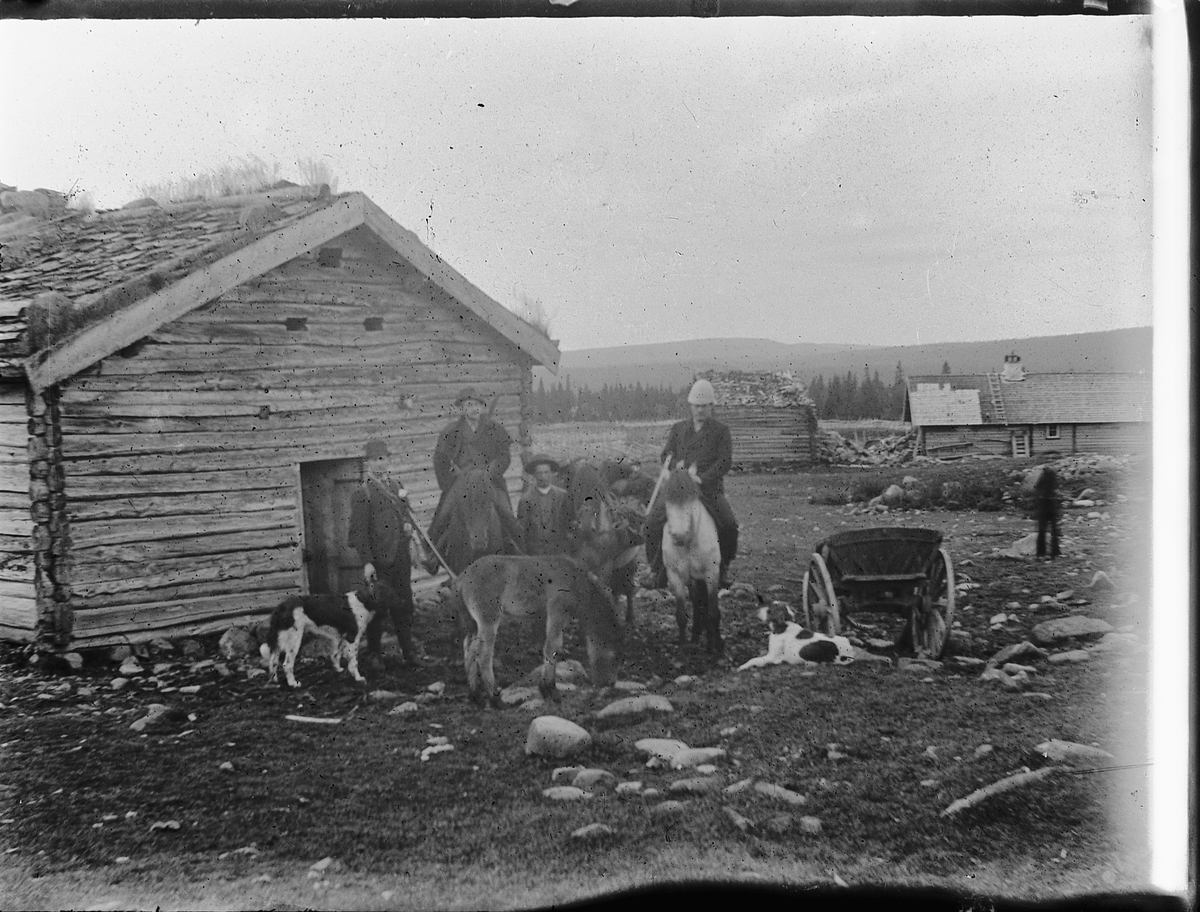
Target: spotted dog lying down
{"points": [[792, 643], [340, 619]]}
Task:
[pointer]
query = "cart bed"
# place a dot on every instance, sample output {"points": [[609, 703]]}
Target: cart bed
{"points": [[879, 555]]}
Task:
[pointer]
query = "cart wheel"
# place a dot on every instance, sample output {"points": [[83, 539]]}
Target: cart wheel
{"points": [[932, 619], [820, 601]]}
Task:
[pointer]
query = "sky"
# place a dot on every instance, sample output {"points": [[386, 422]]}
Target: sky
{"points": [[878, 181]]}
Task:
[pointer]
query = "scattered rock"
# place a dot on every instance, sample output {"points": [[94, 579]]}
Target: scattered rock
{"points": [[983, 750], [1071, 656], [663, 748], [154, 712], [628, 789], [593, 832], [810, 825], [74, 660], [1024, 649], [118, 683], [516, 694], [742, 823], [404, 708], [694, 756], [236, 643], [130, 666], [566, 772], [1049, 632], [779, 792], [565, 793], [629, 707], [1100, 578], [594, 780], [893, 496], [666, 808], [1073, 754], [698, 785], [552, 736], [778, 824], [383, 696]]}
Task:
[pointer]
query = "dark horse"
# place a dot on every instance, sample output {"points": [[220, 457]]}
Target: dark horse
{"points": [[469, 524]]}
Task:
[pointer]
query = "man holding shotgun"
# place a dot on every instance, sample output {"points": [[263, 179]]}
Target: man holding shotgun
{"points": [[704, 446]]}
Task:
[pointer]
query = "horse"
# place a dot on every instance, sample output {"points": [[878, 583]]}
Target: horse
{"points": [[606, 540], [496, 587], [471, 526], [692, 556]]}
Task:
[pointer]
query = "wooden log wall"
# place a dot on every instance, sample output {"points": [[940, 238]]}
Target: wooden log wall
{"points": [[765, 435], [968, 439], [182, 451], [18, 592], [1108, 439]]}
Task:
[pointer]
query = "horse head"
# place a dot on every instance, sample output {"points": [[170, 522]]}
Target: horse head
{"points": [[603, 632], [472, 499], [681, 495]]}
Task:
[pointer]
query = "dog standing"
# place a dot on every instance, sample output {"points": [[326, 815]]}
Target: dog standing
{"points": [[790, 642], [341, 620]]}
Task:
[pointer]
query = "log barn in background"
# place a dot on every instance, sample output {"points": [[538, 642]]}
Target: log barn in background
{"points": [[186, 390], [771, 419]]}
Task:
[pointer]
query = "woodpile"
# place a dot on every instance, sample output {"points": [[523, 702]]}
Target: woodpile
{"points": [[833, 448]]}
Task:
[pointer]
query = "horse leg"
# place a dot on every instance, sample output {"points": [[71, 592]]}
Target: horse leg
{"points": [[548, 684], [699, 599], [713, 618], [487, 652]]}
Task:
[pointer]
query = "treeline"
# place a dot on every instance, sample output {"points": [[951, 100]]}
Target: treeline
{"points": [[611, 403], [847, 398]]}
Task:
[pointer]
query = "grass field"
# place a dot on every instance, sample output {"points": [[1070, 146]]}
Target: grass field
{"points": [[225, 803]]}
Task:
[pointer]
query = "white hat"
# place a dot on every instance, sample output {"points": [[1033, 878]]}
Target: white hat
{"points": [[702, 393]]}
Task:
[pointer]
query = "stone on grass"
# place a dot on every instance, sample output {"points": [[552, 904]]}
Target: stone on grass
{"points": [[118, 683], [552, 736], [593, 832], [628, 789], [154, 712], [635, 706], [778, 824], [663, 748], [695, 785], [742, 823], [810, 825], [516, 694], [1024, 649], [1073, 754], [130, 666], [565, 793], [695, 756], [119, 653], [408, 706], [594, 780], [383, 696], [893, 495], [566, 772], [779, 792], [669, 808], [1067, 628], [74, 660], [236, 643]]}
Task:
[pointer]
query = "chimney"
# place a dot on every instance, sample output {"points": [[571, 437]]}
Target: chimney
{"points": [[1013, 372]]}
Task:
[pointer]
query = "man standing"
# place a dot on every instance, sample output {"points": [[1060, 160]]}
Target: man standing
{"points": [[545, 511], [472, 441], [379, 532], [704, 446], [1046, 508]]}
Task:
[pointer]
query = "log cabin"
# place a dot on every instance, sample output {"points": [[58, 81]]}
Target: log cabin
{"points": [[1017, 413], [186, 390]]}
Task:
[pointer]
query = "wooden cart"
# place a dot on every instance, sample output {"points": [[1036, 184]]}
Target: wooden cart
{"points": [[896, 570]]}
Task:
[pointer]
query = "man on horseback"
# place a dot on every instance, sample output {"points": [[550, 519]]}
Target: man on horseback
{"points": [[473, 440], [704, 446], [379, 532]]}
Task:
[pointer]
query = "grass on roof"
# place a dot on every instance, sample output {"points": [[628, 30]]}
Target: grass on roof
{"points": [[237, 178]]}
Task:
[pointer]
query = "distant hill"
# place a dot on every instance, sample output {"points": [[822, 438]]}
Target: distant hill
{"points": [[674, 364]]}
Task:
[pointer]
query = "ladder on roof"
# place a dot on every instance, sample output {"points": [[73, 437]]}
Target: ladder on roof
{"points": [[997, 398]]}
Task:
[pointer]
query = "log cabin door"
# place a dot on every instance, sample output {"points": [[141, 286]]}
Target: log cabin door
{"points": [[330, 564]]}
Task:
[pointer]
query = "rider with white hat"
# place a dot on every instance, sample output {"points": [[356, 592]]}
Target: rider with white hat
{"points": [[704, 446]]}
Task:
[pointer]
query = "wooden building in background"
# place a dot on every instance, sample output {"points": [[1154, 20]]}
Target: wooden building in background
{"points": [[186, 391], [1015, 413]]}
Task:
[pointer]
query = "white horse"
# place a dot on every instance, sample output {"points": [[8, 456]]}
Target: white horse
{"points": [[692, 556]]}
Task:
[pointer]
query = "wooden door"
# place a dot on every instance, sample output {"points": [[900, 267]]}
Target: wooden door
{"points": [[330, 564]]}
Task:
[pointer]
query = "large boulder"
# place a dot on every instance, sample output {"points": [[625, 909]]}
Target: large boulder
{"points": [[1067, 628], [631, 707], [893, 496], [552, 736]]}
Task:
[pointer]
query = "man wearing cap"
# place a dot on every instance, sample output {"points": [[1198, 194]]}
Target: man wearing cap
{"points": [[472, 441], [545, 511], [379, 532], [704, 446]]}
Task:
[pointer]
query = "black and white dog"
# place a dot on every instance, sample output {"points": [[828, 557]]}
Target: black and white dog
{"points": [[340, 619], [788, 641]]}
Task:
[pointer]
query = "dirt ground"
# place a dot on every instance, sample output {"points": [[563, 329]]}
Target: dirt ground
{"points": [[877, 749]]}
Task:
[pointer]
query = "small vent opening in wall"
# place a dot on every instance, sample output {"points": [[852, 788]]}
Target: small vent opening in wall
{"points": [[329, 257], [373, 324], [296, 324]]}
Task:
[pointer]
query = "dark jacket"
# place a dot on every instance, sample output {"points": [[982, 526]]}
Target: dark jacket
{"points": [[710, 450], [489, 446], [377, 529], [545, 519]]}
